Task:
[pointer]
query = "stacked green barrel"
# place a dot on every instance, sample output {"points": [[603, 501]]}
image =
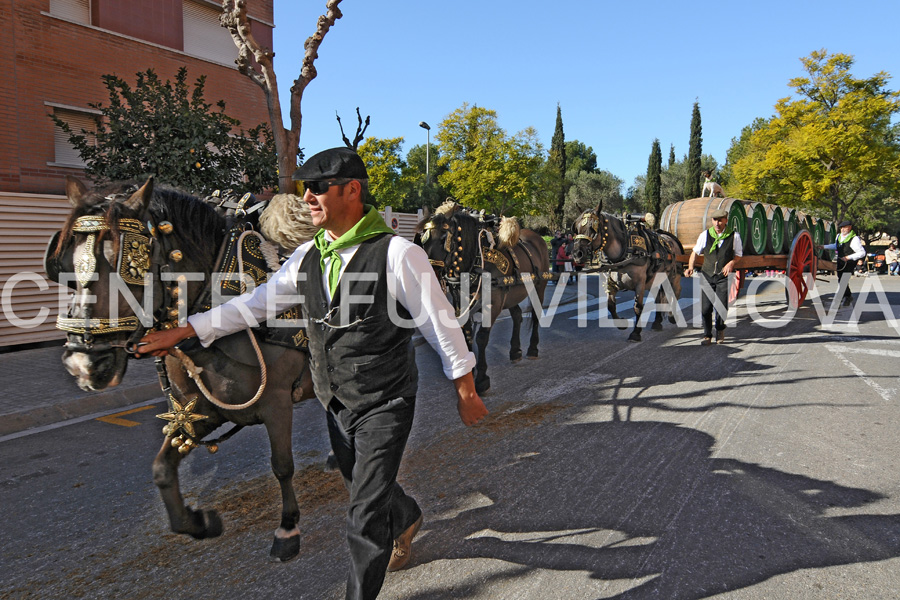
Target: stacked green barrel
{"points": [[764, 228]]}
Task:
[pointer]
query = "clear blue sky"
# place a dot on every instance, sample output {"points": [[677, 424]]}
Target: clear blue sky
{"points": [[623, 73]]}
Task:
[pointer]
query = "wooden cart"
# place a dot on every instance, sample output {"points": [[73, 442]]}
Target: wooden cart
{"points": [[801, 259]]}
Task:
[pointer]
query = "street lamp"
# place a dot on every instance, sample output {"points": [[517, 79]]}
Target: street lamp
{"points": [[427, 128]]}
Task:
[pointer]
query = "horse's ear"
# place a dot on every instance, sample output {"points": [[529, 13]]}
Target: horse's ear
{"points": [[140, 200], [75, 191], [599, 208]]}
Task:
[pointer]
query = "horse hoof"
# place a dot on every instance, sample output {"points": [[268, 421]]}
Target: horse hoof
{"points": [[482, 387], [284, 549], [515, 360], [671, 319], [634, 337], [531, 356], [515, 356], [209, 524], [656, 327]]}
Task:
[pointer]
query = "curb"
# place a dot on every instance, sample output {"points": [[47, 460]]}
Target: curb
{"points": [[77, 407]]}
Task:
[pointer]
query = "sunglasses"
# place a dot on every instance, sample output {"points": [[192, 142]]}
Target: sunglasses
{"points": [[320, 187]]}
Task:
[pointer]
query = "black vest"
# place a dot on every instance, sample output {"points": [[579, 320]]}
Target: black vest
{"points": [[714, 260], [844, 249], [372, 360]]}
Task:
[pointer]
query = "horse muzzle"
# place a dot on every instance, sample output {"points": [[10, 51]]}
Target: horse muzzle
{"points": [[95, 365]]}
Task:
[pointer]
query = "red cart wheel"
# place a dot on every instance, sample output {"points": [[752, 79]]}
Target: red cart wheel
{"points": [[736, 285], [802, 259]]}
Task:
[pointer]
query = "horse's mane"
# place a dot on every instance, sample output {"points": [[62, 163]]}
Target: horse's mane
{"points": [[287, 222], [198, 228], [509, 232]]}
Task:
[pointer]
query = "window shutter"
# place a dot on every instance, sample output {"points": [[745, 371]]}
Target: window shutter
{"points": [[204, 36], [66, 154], [73, 10]]}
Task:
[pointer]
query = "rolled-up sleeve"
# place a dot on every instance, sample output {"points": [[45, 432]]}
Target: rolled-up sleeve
{"points": [[419, 292]]}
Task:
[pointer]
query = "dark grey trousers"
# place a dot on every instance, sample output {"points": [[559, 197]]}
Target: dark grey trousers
{"points": [[719, 284], [368, 448]]}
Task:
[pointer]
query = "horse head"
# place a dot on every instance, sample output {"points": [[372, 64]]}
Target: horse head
{"points": [[450, 239], [591, 232], [118, 254]]}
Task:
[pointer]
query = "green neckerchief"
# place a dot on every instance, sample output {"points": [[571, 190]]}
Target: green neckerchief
{"points": [[718, 239], [842, 240], [368, 227]]}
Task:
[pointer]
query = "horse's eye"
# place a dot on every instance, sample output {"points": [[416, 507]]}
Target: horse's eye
{"points": [[446, 226]]}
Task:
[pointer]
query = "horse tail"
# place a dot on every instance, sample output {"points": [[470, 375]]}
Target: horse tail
{"points": [[509, 232]]}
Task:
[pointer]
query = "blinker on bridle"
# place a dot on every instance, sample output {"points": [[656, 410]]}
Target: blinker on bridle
{"points": [[133, 263]]}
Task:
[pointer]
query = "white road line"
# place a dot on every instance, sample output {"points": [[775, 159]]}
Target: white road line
{"points": [[839, 351]]}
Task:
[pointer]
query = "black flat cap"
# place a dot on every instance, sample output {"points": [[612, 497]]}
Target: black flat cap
{"points": [[844, 223], [335, 163]]}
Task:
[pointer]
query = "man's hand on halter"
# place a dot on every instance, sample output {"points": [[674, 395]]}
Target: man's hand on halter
{"points": [[158, 343], [471, 408]]}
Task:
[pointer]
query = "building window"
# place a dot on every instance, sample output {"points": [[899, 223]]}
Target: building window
{"points": [[78, 11], [204, 37], [79, 122]]}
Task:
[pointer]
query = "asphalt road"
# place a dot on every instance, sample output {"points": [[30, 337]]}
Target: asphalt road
{"points": [[764, 468]]}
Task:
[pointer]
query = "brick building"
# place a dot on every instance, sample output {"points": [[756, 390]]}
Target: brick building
{"points": [[54, 54]]}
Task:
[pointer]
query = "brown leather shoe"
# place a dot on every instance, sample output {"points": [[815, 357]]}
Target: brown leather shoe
{"points": [[706, 341], [401, 554]]}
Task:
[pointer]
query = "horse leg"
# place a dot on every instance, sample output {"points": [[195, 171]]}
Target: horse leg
{"points": [[675, 279], [657, 316], [635, 335], [611, 307], [515, 345], [286, 544], [482, 381], [535, 326], [199, 524]]}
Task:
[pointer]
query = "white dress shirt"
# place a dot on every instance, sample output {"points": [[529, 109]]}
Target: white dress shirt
{"points": [[416, 289]]}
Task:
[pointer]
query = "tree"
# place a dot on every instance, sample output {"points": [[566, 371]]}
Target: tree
{"points": [[385, 166], [692, 177], [557, 164], [832, 148], [167, 130], [671, 154], [420, 193], [654, 174], [262, 72], [588, 189], [580, 157], [486, 168]]}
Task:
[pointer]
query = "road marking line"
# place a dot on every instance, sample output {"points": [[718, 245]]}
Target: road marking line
{"points": [[887, 394], [115, 419]]}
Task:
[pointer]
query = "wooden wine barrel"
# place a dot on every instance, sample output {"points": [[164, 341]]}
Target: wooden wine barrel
{"points": [[774, 229], [818, 233], [791, 228], [757, 234], [688, 218]]}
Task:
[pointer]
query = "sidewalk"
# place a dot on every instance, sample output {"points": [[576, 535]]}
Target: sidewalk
{"points": [[38, 391]]}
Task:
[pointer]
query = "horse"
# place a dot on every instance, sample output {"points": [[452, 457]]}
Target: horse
{"points": [[161, 248], [632, 258], [457, 243]]}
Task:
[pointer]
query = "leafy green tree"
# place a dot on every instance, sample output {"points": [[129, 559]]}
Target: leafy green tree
{"points": [[385, 165], [692, 185], [740, 147], [486, 168], [588, 189], [420, 193], [580, 157], [167, 130], [831, 148], [671, 154], [557, 164], [654, 182]]}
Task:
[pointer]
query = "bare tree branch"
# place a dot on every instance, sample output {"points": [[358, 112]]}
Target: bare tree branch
{"points": [[360, 130], [287, 141]]}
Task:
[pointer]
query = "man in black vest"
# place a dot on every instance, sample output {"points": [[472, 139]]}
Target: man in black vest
{"points": [[849, 250], [362, 290], [720, 246]]}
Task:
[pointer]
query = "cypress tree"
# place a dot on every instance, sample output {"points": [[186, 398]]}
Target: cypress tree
{"points": [[671, 154], [692, 180], [654, 180], [557, 160]]}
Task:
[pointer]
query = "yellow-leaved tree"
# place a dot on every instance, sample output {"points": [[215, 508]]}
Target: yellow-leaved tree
{"points": [[830, 148]]}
